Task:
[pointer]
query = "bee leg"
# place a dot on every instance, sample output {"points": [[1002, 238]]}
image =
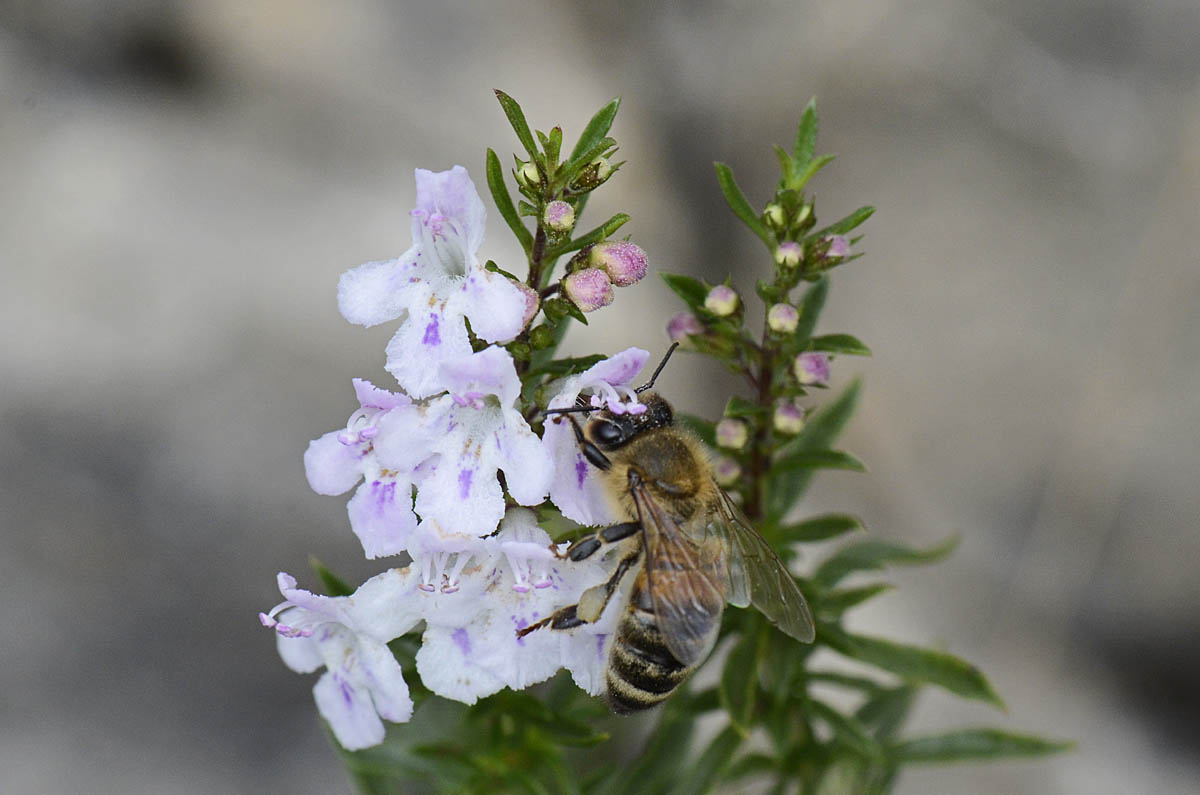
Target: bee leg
{"points": [[590, 451], [591, 603], [588, 545]]}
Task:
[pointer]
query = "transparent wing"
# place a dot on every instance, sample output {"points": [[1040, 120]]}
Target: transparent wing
{"points": [[686, 581], [756, 575]]}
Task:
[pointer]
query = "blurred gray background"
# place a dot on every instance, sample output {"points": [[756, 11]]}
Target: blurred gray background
{"points": [[182, 183]]}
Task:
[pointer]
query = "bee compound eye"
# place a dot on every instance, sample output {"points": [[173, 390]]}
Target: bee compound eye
{"points": [[606, 432]]}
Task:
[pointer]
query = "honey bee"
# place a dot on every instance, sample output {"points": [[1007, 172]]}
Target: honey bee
{"points": [[687, 546]]}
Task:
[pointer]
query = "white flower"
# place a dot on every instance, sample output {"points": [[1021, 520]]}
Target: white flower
{"points": [[575, 488], [434, 285], [348, 637], [381, 510], [469, 435]]}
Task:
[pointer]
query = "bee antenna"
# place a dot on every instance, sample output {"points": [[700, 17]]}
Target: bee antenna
{"points": [[571, 410], [658, 369]]}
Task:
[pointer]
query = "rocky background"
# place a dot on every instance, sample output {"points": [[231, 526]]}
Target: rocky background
{"points": [[182, 183]]}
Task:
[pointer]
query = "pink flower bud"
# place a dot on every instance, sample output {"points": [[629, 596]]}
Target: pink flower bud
{"points": [[532, 302], [789, 418], [812, 369], [839, 246], [624, 262], [721, 300], [589, 289], [726, 471], [789, 253], [732, 434], [683, 325], [559, 217], [783, 318]]}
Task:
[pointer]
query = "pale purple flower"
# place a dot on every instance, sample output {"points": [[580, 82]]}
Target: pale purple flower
{"points": [[789, 253], [721, 300], [682, 325], [732, 433], [435, 286], [381, 510], [472, 433], [812, 369], [624, 262], [783, 318], [347, 635], [726, 471], [589, 289], [839, 246], [575, 488]]}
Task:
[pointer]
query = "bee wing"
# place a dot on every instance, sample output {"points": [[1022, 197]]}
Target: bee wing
{"points": [[757, 576], [686, 581]]}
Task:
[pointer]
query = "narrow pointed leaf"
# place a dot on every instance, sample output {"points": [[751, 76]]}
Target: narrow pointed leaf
{"points": [[692, 291], [597, 128], [704, 774], [843, 226], [504, 204], [810, 171], [707, 431], [974, 745], [885, 712], [847, 729], [819, 528], [838, 601], [914, 663], [875, 555], [740, 206], [806, 134], [838, 343], [819, 459], [739, 681], [811, 306], [602, 232], [787, 166], [516, 117], [577, 162], [330, 582]]}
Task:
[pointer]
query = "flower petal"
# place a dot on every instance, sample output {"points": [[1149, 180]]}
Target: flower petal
{"points": [[299, 654], [446, 663], [527, 466], [381, 515], [452, 195], [349, 711], [331, 466], [430, 336], [377, 292], [384, 680], [462, 495], [490, 371], [494, 305]]}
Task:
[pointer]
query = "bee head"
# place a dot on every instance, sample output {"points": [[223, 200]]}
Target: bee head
{"points": [[610, 431]]}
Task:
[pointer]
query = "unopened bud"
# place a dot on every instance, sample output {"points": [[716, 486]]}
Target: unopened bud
{"points": [[802, 215], [839, 246], [682, 326], [732, 434], [559, 217], [726, 471], [789, 253], [589, 289], [721, 300], [593, 174], [532, 302], [541, 337], [812, 369], [529, 176], [783, 318], [625, 263], [789, 418], [773, 216]]}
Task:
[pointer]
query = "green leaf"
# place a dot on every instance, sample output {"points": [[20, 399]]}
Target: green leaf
{"points": [[838, 343], [597, 128], [602, 232], [840, 600], [849, 681], [787, 166], [516, 117], [579, 161], [333, 584], [885, 712], [552, 147], [740, 206], [738, 406], [504, 205], [707, 431], [874, 555], [848, 730], [751, 765], [806, 134], [739, 680], [692, 291], [819, 459], [569, 366], [974, 745], [819, 528], [810, 308], [703, 775], [815, 165], [843, 226], [913, 663], [785, 487]]}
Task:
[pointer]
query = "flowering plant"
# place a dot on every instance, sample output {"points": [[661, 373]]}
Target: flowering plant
{"points": [[463, 482]]}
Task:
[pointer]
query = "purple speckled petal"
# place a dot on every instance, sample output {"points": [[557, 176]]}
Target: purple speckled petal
{"points": [[491, 371], [495, 306], [349, 711], [415, 352], [377, 292], [440, 498], [452, 197], [383, 678], [381, 515]]}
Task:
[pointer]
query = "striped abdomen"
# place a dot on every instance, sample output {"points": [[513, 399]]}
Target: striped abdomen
{"points": [[641, 670]]}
